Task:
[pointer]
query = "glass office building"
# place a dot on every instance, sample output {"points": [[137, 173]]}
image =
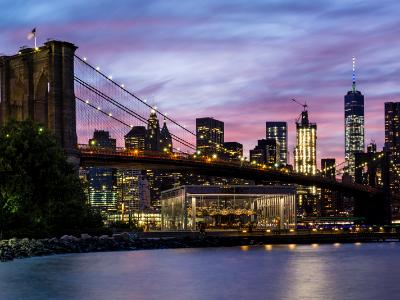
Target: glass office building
{"points": [[353, 125], [278, 131], [209, 136]]}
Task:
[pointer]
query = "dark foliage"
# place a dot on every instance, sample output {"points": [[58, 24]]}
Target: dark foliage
{"points": [[40, 192]]}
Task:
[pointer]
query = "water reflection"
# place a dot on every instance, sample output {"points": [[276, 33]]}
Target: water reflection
{"points": [[268, 247], [259, 272]]}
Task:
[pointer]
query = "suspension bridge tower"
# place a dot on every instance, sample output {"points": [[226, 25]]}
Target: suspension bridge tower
{"points": [[38, 84]]}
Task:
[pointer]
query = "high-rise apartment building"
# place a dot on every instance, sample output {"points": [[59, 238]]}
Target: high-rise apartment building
{"points": [[153, 140], [209, 136], [135, 139], [102, 183], [278, 131], [392, 142], [267, 152]]}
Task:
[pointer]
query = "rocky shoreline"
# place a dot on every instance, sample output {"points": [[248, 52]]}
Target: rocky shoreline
{"points": [[23, 248]]}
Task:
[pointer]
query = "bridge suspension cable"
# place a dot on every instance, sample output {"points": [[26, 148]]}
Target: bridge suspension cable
{"points": [[109, 115], [134, 96], [126, 108]]}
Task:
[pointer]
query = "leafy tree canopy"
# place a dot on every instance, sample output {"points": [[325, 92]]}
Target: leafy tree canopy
{"points": [[40, 192]]}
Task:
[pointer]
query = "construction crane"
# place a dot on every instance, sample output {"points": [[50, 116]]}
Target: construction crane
{"points": [[304, 114], [304, 105]]}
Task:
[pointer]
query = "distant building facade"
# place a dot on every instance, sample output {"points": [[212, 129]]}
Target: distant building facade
{"points": [[279, 132], [165, 138], [267, 151], [153, 139], [330, 203], [232, 151], [392, 142], [135, 139], [209, 136], [102, 181]]}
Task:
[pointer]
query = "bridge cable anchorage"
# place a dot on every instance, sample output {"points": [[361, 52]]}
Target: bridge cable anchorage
{"points": [[126, 110], [134, 96]]}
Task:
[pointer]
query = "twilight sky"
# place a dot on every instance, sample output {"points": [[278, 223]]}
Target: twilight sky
{"points": [[238, 61]]}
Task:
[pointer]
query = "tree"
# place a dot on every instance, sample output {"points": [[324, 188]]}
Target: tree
{"points": [[40, 192]]}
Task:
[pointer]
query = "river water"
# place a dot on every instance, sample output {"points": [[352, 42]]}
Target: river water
{"points": [[339, 271]]}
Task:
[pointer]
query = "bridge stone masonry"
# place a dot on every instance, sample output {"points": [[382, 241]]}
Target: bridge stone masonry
{"points": [[38, 84], [52, 86]]}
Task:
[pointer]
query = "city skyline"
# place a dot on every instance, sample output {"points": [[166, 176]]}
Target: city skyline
{"points": [[281, 52]]}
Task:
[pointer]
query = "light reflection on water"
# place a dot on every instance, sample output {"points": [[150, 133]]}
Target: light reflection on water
{"points": [[344, 271]]}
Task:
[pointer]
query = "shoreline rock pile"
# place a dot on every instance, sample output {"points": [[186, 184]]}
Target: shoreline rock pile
{"points": [[22, 248]]}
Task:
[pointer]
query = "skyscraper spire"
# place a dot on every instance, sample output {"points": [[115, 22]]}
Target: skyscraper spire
{"points": [[354, 123], [354, 75], [165, 137]]}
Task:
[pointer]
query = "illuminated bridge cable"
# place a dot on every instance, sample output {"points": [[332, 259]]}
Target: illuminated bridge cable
{"points": [[134, 96], [101, 111], [128, 110], [176, 138], [109, 99], [110, 116]]}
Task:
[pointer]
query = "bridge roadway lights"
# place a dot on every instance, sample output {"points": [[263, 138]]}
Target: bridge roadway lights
{"points": [[371, 204]]}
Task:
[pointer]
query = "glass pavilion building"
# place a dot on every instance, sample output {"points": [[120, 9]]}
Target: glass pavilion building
{"points": [[228, 207]]}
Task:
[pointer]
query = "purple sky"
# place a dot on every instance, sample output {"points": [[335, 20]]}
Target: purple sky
{"points": [[235, 61]]}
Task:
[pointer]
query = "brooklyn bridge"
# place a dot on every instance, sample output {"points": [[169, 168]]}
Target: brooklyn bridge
{"points": [[71, 97]]}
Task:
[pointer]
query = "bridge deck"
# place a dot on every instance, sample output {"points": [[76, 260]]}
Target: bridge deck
{"points": [[145, 160]]}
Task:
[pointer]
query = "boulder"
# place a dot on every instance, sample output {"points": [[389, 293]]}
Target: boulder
{"points": [[85, 236], [69, 238]]}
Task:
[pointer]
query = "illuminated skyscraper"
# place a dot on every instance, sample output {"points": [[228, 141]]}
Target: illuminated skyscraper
{"points": [[153, 139], [392, 142], [233, 151], [278, 131], [136, 138], [209, 136], [267, 152], [102, 183], [305, 153], [165, 138], [132, 185], [133, 193], [353, 124]]}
